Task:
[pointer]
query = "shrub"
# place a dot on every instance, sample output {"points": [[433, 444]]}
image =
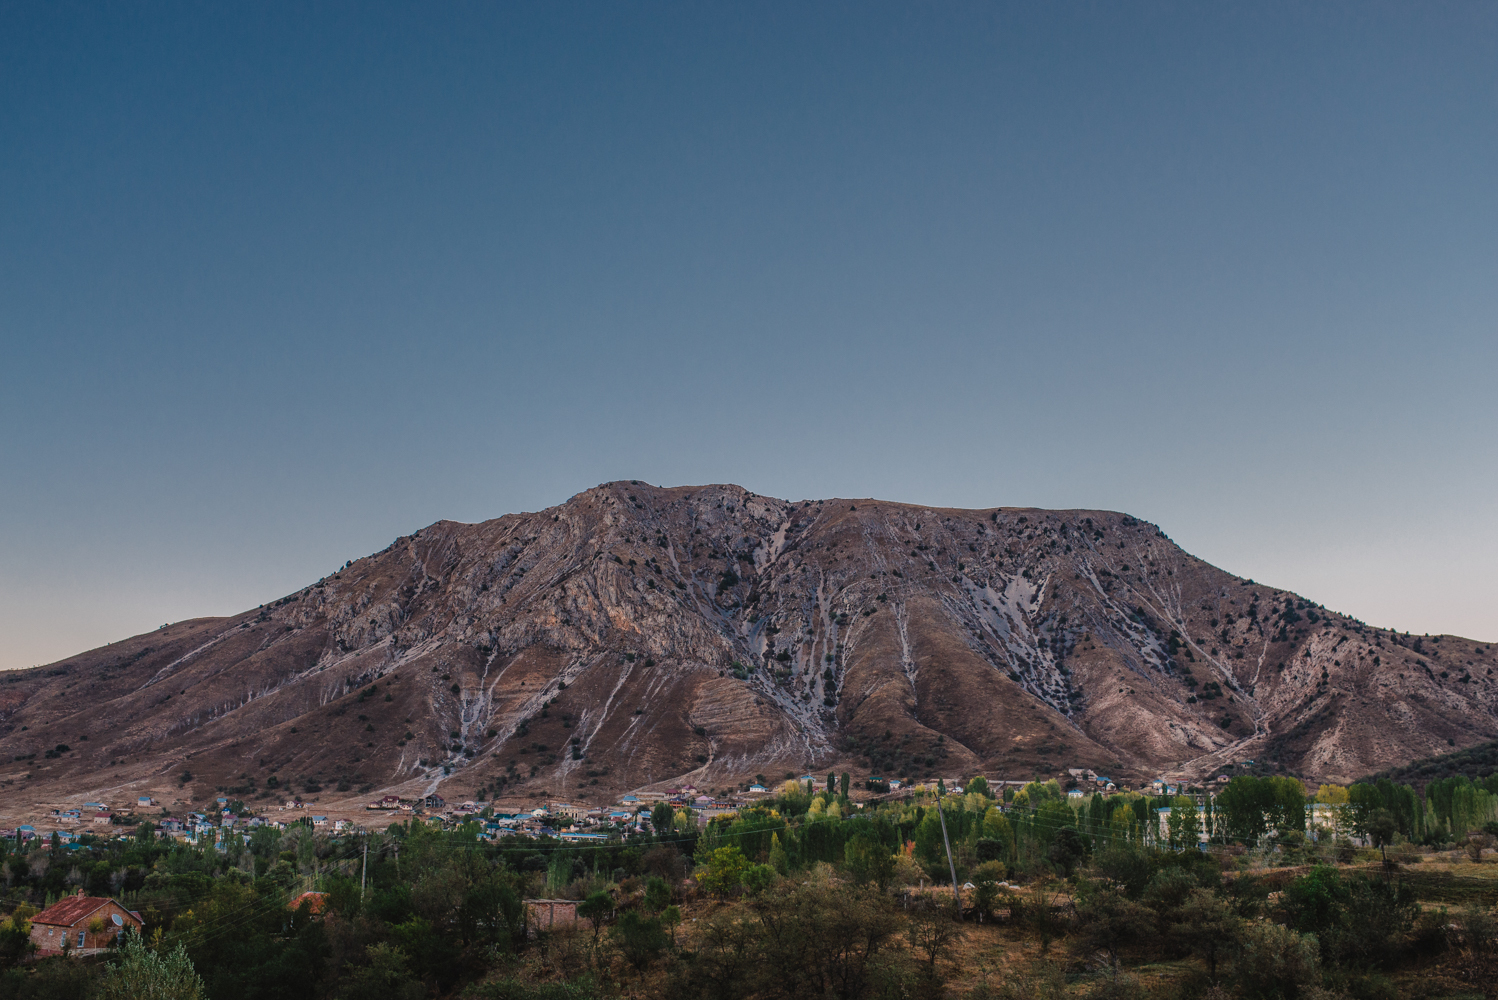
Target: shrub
{"points": [[639, 938], [1275, 961]]}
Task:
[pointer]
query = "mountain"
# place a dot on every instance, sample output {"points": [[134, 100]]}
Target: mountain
{"points": [[637, 635]]}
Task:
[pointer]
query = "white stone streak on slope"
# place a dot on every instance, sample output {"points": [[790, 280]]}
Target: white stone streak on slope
{"points": [[907, 662], [166, 671], [585, 719]]}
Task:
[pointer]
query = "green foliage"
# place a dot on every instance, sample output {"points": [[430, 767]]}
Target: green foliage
{"points": [[384, 976], [723, 872], [657, 894], [639, 938], [596, 909], [517, 989], [142, 974], [1109, 921], [1274, 961], [1250, 807], [869, 860]]}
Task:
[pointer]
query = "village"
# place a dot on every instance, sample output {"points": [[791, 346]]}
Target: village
{"points": [[583, 823]]}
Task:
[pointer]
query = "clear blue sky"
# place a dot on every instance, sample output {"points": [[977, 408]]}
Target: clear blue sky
{"points": [[279, 283]]}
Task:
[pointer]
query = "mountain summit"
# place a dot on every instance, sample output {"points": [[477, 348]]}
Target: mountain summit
{"points": [[637, 635]]}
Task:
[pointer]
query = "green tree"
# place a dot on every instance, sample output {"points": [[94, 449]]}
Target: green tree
{"points": [[661, 819], [385, 976], [723, 872], [1207, 926], [778, 859], [639, 938], [596, 909], [1067, 850], [868, 860], [142, 974], [1381, 828], [657, 894], [1275, 961], [980, 786], [1108, 921], [1183, 824]]}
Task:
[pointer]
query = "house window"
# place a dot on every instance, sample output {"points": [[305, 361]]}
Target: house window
{"points": [[80, 939]]}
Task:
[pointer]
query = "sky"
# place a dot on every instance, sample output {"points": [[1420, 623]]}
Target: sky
{"points": [[279, 283]]}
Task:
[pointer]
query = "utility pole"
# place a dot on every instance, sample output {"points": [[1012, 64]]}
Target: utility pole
{"points": [[956, 895], [363, 870]]}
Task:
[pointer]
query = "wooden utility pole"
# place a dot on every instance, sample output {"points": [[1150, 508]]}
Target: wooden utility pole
{"points": [[956, 895], [363, 870]]}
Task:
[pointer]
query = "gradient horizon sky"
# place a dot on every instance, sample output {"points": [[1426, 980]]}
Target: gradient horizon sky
{"points": [[280, 283]]}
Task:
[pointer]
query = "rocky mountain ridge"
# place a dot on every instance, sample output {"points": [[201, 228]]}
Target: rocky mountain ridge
{"points": [[638, 634]]}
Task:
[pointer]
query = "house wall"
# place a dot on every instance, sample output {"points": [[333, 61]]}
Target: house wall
{"points": [[49, 938], [548, 913]]}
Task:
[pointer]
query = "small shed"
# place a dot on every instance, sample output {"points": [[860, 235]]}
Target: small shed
{"points": [[86, 924]]}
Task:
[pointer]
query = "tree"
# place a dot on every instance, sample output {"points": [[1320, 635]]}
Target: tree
{"points": [[1275, 961], [931, 932], [1183, 824], [385, 977], [661, 818], [639, 938], [141, 974], [979, 785], [1108, 920], [723, 872], [1381, 830], [930, 849], [15, 935], [657, 894], [868, 860], [986, 889], [845, 783], [596, 909], [778, 859], [1207, 926], [1067, 850]]}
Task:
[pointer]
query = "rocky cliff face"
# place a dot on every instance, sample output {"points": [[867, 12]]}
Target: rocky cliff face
{"points": [[638, 635]]}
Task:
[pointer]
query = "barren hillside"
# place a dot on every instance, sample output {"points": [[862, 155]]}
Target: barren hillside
{"points": [[637, 635]]}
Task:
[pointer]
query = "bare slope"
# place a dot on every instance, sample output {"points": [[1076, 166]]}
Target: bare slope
{"points": [[637, 634]]}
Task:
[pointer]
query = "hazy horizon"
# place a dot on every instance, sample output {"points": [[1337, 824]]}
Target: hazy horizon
{"points": [[282, 285]]}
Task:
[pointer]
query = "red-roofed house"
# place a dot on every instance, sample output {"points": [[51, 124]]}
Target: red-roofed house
{"points": [[87, 923]]}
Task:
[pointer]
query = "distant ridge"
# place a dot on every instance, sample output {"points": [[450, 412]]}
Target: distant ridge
{"points": [[1474, 762]]}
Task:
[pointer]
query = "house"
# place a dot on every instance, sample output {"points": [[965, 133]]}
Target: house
{"points": [[85, 924], [434, 802], [102, 818], [144, 802], [319, 821], [757, 789], [630, 800]]}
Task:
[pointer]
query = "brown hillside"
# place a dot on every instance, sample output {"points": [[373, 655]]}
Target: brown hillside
{"points": [[709, 634]]}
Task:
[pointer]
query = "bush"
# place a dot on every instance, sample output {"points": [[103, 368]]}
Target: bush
{"points": [[639, 938], [143, 973], [1275, 961]]}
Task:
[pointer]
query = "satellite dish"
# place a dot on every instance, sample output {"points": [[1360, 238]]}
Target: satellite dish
{"points": [[119, 921]]}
